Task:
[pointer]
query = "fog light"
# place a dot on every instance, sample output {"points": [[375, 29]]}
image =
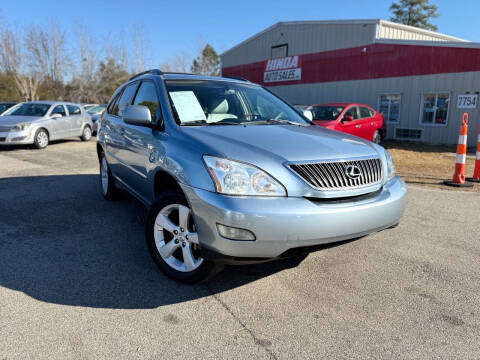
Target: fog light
{"points": [[19, 138], [232, 233]]}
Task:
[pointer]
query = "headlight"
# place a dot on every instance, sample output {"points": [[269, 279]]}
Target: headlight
{"points": [[390, 166], [236, 178], [20, 127]]}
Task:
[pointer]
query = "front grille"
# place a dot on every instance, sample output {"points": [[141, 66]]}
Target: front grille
{"points": [[2, 139], [333, 175], [5, 128]]}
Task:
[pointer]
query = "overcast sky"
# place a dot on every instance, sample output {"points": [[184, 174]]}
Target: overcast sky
{"points": [[171, 27]]}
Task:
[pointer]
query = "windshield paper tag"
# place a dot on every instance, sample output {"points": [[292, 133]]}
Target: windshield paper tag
{"points": [[187, 106]]}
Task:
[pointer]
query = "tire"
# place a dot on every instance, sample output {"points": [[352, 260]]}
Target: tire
{"points": [[377, 138], [168, 244], [107, 183], [86, 133], [41, 139]]}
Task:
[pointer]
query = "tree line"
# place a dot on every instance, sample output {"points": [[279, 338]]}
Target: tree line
{"points": [[39, 63]]}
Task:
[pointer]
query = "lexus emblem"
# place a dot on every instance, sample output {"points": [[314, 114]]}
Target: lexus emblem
{"points": [[352, 172]]}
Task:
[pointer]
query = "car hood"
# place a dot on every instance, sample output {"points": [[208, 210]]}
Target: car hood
{"points": [[17, 119], [288, 142]]}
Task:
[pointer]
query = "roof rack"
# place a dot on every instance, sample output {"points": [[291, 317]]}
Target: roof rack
{"points": [[236, 78], [151, 71]]}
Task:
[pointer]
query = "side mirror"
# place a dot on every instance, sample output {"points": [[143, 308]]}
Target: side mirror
{"points": [[56, 116], [347, 118], [308, 114], [137, 115]]}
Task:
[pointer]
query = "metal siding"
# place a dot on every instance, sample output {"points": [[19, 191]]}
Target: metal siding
{"points": [[411, 88], [301, 39], [394, 31]]}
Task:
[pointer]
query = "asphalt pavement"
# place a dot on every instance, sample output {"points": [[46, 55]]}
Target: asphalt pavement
{"points": [[77, 282]]}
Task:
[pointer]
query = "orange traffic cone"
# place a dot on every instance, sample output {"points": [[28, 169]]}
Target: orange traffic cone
{"points": [[476, 172], [459, 174]]}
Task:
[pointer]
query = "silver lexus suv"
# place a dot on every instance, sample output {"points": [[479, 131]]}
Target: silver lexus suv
{"points": [[231, 173]]}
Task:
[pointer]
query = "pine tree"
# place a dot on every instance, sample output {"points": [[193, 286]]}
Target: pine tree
{"points": [[208, 63], [414, 13]]}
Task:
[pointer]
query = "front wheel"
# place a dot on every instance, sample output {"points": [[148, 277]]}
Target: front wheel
{"points": [[377, 137], [173, 240], [86, 134], [41, 140]]}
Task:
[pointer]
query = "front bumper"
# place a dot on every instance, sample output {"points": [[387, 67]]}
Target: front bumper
{"points": [[16, 138], [280, 224]]}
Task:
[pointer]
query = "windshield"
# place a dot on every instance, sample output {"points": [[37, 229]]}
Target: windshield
{"points": [[209, 102], [4, 107], [29, 109], [96, 110], [326, 113]]}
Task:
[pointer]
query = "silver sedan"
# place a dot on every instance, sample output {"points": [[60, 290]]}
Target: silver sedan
{"points": [[39, 122]]}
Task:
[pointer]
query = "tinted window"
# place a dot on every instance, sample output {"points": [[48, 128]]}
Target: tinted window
{"points": [[30, 109], [59, 109], [126, 98], [326, 113], [364, 112], [352, 112], [113, 106], [73, 110], [147, 96]]}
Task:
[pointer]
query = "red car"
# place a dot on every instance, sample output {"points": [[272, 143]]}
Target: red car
{"points": [[355, 119]]}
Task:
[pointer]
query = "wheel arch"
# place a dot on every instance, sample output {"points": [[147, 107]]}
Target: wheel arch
{"points": [[165, 181], [99, 150]]}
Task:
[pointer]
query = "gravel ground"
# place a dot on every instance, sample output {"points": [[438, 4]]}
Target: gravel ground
{"points": [[77, 282]]}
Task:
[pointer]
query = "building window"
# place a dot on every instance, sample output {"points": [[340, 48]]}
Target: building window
{"points": [[435, 108], [279, 51], [389, 107]]}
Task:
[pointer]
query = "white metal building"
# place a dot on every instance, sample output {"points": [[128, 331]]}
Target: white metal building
{"points": [[420, 80]]}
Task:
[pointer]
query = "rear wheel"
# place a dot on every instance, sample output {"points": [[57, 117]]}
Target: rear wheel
{"points": [[40, 141], [377, 138], [86, 134], [173, 240], [109, 190]]}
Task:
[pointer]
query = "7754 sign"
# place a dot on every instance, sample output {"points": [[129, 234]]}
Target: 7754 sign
{"points": [[467, 101]]}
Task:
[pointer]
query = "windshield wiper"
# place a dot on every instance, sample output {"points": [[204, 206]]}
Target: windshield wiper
{"points": [[224, 123], [272, 122], [204, 123]]}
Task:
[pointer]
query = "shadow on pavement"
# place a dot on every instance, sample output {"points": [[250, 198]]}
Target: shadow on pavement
{"points": [[62, 243]]}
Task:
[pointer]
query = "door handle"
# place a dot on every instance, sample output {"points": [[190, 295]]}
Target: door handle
{"points": [[358, 126], [372, 123]]}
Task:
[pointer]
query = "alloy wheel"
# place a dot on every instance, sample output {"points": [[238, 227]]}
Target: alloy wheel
{"points": [[42, 139], [176, 238], [104, 175]]}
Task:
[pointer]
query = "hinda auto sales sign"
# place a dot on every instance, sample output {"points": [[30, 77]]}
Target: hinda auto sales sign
{"points": [[283, 69]]}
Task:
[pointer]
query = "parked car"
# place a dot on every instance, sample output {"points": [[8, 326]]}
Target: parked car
{"points": [[95, 114], [4, 106], [40, 122], [233, 174], [88, 106], [355, 119]]}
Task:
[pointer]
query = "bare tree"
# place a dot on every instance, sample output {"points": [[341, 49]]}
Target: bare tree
{"points": [[46, 52], [179, 63], [12, 62], [139, 49], [84, 87]]}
